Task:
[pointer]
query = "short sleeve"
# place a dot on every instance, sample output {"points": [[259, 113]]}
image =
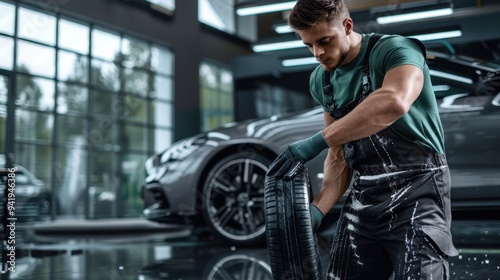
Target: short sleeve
{"points": [[395, 51]]}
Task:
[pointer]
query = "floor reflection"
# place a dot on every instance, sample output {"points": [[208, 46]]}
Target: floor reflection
{"points": [[183, 255]]}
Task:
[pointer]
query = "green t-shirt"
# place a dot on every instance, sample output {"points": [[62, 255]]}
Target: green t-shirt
{"points": [[421, 123]]}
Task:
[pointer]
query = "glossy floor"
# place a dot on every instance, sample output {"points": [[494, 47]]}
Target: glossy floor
{"points": [[180, 254]]}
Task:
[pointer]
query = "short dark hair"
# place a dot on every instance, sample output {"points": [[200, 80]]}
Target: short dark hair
{"points": [[307, 13]]}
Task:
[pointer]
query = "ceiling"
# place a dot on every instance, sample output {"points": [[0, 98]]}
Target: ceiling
{"points": [[478, 19]]}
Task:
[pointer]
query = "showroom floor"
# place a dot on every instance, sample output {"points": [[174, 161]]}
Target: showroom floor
{"points": [[174, 252]]}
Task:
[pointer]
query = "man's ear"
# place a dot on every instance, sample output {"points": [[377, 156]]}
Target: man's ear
{"points": [[348, 25]]}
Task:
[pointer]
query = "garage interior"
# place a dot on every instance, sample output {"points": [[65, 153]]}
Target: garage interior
{"points": [[89, 90]]}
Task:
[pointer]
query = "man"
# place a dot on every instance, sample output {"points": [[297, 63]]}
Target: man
{"points": [[384, 135]]}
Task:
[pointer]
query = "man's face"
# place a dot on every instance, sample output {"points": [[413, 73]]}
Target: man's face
{"points": [[328, 43]]}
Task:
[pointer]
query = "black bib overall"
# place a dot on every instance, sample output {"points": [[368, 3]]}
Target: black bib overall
{"points": [[396, 218]]}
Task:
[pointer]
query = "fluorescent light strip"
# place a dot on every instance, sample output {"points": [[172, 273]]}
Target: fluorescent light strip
{"points": [[438, 35], [299, 61], [450, 76], [278, 46], [265, 8], [414, 16], [282, 29]]}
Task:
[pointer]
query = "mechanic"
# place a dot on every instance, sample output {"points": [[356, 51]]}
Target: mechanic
{"points": [[385, 142]]}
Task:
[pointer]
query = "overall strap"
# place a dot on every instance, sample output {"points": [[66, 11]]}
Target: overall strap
{"points": [[338, 113]]}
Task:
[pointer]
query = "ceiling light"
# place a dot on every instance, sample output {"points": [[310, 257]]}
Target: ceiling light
{"points": [[269, 8], [283, 28], [411, 11], [437, 35], [278, 46], [299, 61]]}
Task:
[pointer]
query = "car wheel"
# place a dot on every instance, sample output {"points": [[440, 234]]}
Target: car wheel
{"points": [[293, 248], [233, 196]]}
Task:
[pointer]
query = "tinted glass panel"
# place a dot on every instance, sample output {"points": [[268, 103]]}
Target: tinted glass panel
{"points": [[105, 75], [104, 134], [103, 183], [162, 114], [72, 99], [37, 26], [162, 88], [133, 176], [135, 109], [31, 125], [105, 45], [7, 16], [37, 159], [162, 60], [136, 81], [162, 139], [73, 36], [35, 59], [104, 103], [72, 67], [70, 179], [35, 92], [135, 53], [6, 52], [135, 138], [71, 131]]}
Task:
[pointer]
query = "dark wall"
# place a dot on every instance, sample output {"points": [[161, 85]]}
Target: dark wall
{"points": [[190, 41]]}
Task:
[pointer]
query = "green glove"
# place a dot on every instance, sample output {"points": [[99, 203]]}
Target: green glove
{"points": [[300, 151], [316, 217]]}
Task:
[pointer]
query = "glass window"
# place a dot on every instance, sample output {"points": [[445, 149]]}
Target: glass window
{"points": [[136, 81], [72, 67], [4, 90], [163, 88], [218, 14], [105, 75], [35, 92], [104, 134], [37, 159], [105, 45], [71, 181], [216, 96], [32, 125], [7, 15], [162, 139], [162, 114], [3, 127], [103, 184], [72, 99], [105, 103], [135, 138], [71, 130], [37, 26], [35, 59], [73, 36], [132, 176], [135, 109], [6, 52], [162, 60], [135, 53]]}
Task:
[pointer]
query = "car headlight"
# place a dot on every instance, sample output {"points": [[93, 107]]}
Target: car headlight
{"points": [[155, 165]]}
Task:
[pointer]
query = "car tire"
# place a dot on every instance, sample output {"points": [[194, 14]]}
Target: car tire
{"points": [[233, 199], [292, 245]]}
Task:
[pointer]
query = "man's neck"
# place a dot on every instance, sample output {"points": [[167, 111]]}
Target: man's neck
{"points": [[355, 46]]}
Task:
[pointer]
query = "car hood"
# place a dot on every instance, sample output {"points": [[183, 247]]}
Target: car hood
{"points": [[267, 128]]}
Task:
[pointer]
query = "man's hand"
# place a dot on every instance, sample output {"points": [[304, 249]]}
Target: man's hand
{"points": [[301, 151]]}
